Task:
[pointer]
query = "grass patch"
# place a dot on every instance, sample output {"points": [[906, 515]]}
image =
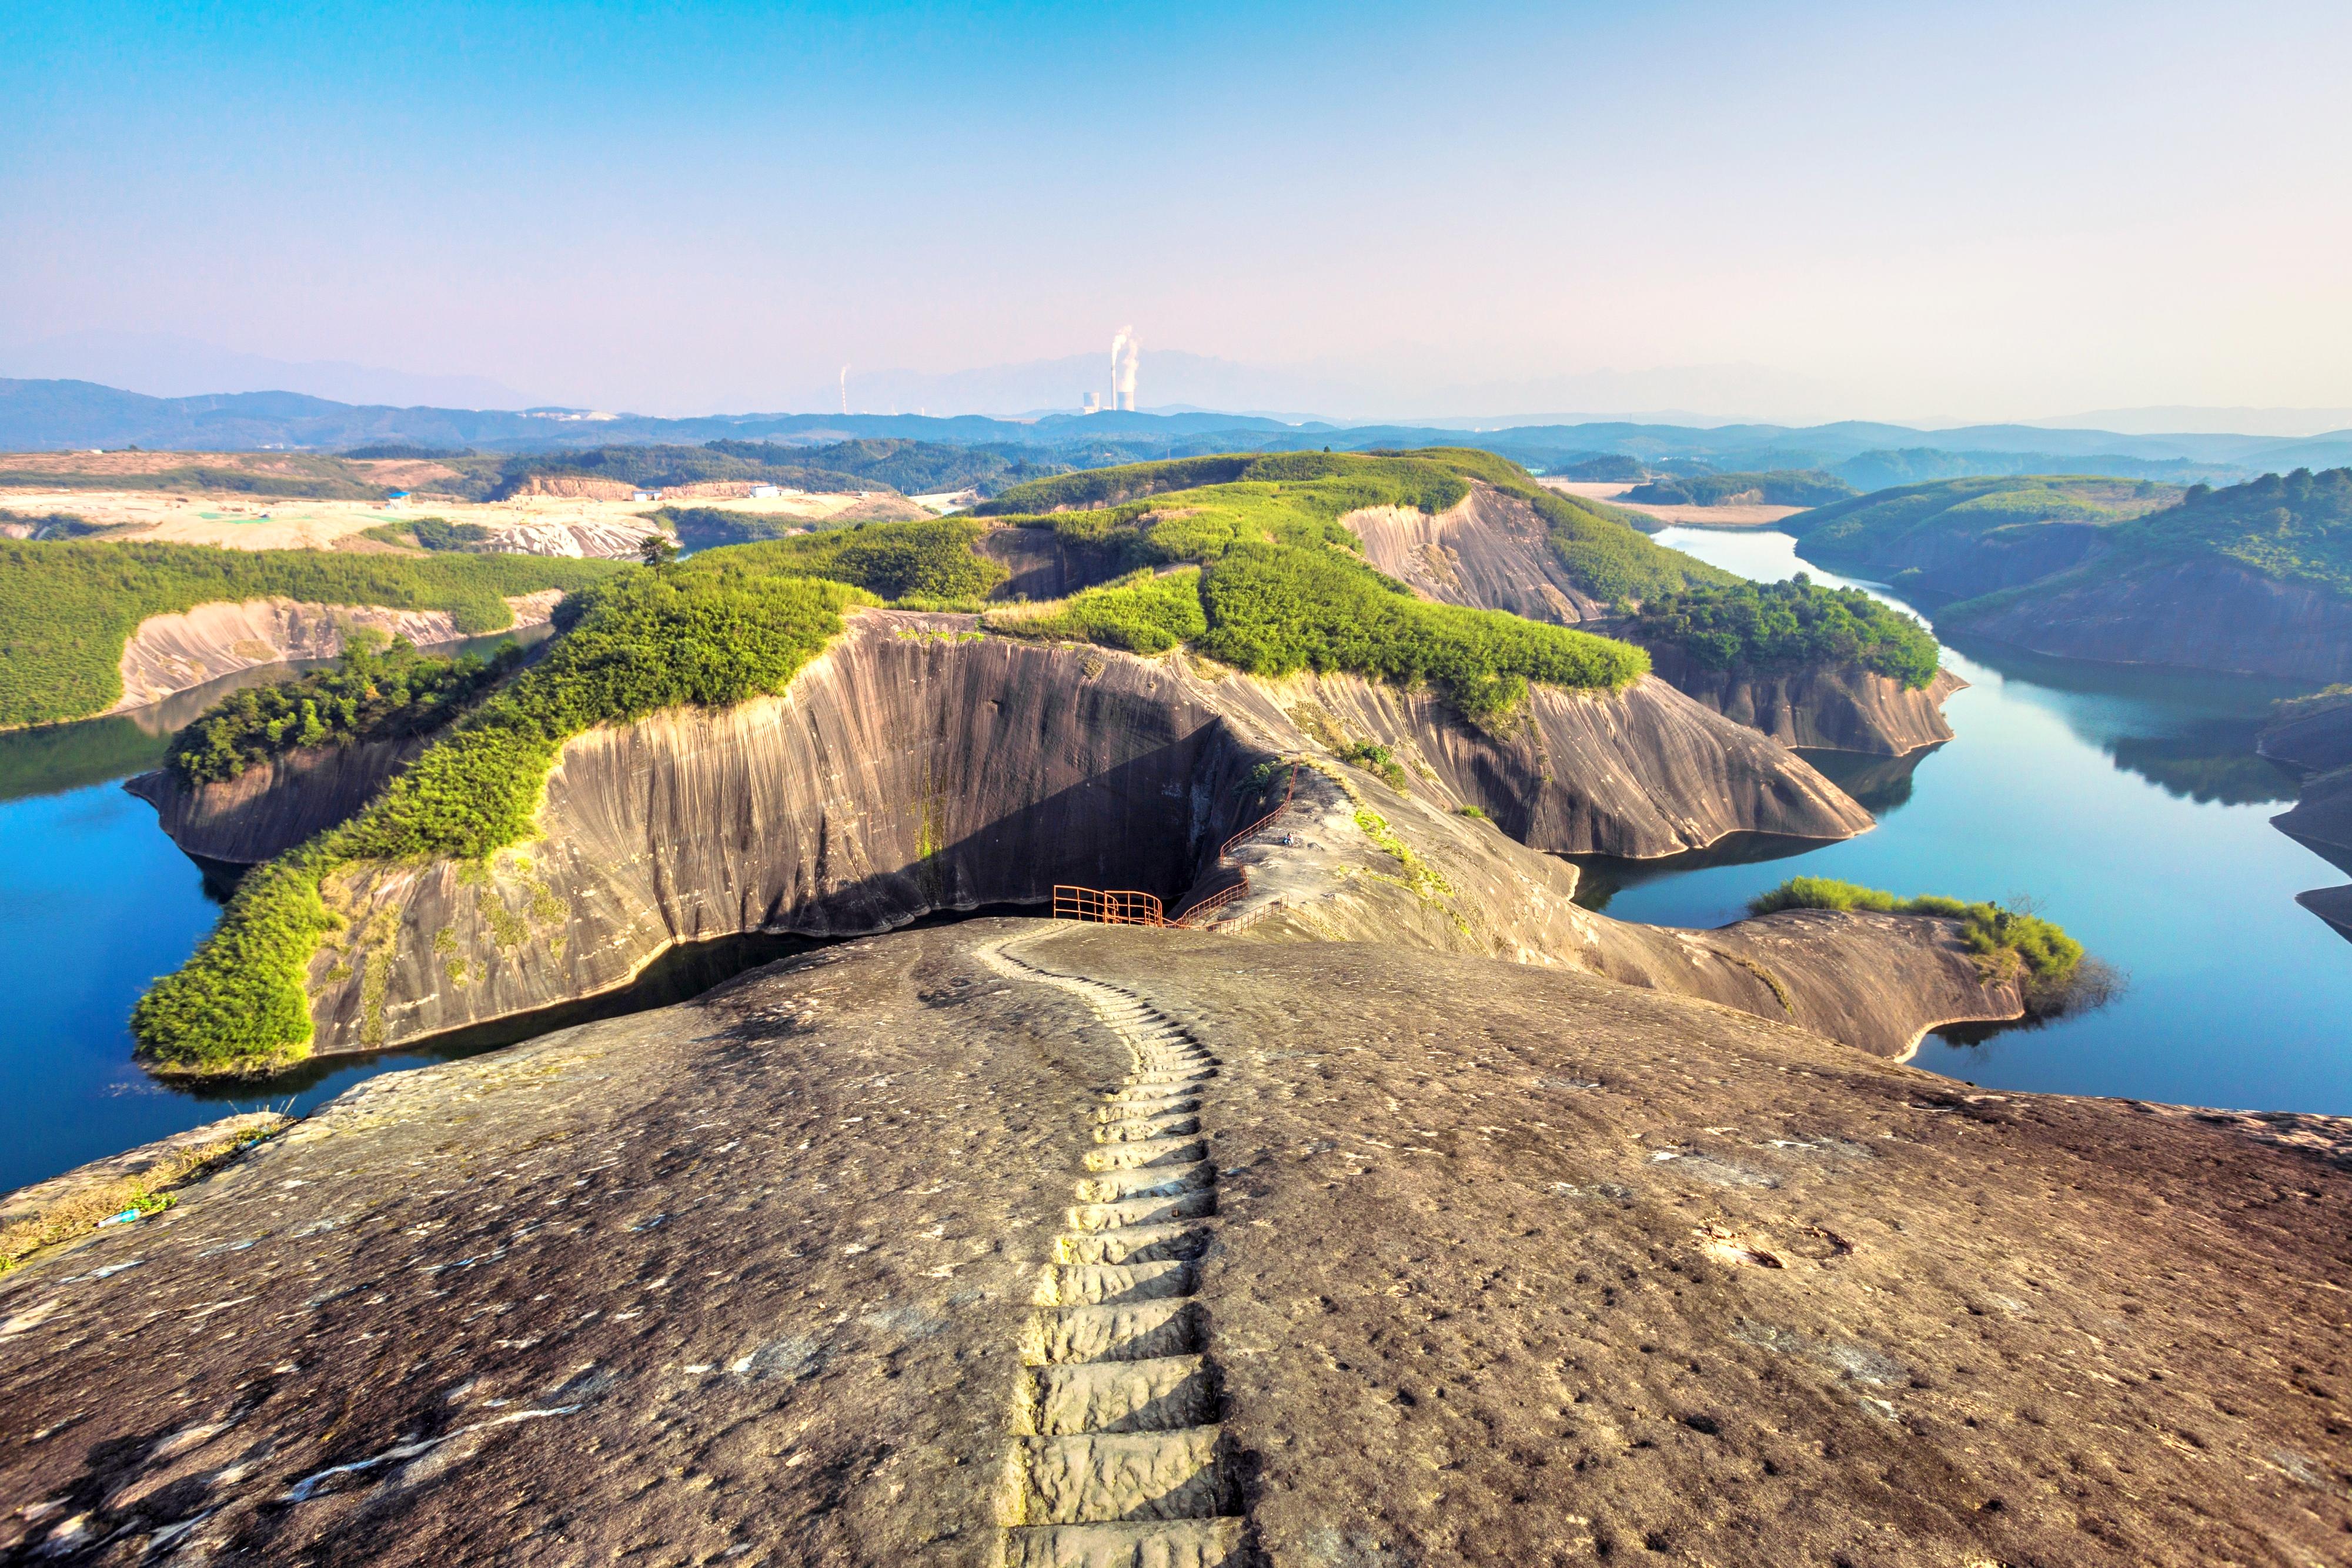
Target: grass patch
{"points": [[430, 534], [1143, 614], [149, 1191], [922, 565], [374, 691], [716, 630], [2009, 941], [1777, 625], [1377, 759], [67, 608]]}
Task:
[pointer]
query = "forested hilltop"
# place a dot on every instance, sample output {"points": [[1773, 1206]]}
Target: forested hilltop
{"points": [[1777, 488], [1960, 537], [68, 607]]}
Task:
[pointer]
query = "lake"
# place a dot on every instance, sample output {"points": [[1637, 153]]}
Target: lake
{"points": [[2127, 802]]}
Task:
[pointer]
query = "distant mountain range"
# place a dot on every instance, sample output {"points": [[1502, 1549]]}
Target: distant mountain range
{"points": [[52, 415]]}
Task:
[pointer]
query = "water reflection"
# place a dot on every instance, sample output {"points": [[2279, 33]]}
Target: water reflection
{"points": [[1880, 785]]}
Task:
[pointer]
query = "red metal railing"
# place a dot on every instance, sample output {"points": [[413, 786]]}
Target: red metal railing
{"points": [[1116, 906], [1128, 908]]}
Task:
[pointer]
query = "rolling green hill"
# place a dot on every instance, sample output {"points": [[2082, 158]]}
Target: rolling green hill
{"points": [[1778, 487], [68, 607]]}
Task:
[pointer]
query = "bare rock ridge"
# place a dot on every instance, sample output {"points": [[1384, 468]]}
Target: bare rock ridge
{"points": [[170, 653], [1491, 552], [913, 768], [1488, 551], [273, 806], [1509, 1264]]}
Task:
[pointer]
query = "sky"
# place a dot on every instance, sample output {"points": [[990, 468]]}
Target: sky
{"points": [[1798, 211]]}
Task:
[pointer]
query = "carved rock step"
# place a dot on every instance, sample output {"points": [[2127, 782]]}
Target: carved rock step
{"points": [[1153, 1181], [1191, 1205], [1168, 1393], [1177, 1544], [1132, 1244], [1130, 1129], [1129, 1331], [1154, 1087], [1104, 1284], [1140, 1110], [1145, 1152], [1126, 1476]]}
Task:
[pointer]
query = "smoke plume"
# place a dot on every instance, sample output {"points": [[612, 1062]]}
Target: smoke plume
{"points": [[1125, 353]]}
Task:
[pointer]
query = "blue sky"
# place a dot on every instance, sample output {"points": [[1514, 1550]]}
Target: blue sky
{"points": [[1981, 211]]}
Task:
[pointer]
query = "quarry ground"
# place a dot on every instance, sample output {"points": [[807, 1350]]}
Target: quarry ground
{"points": [[1742, 516], [1509, 1264]]}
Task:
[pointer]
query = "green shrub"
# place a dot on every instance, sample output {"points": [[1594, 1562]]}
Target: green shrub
{"points": [[67, 607], [1378, 759], [430, 534], [1274, 609], [931, 561], [1142, 613], [716, 630], [1784, 624], [2008, 941], [374, 692]]}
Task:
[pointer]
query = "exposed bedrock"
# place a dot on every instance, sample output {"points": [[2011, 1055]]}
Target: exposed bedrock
{"points": [[1491, 551], [2196, 614], [270, 807], [1044, 564], [913, 769], [1839, 707], [1504, 1266], [172, 653], [2318, 742], [2321, 815], [1488, 551]]}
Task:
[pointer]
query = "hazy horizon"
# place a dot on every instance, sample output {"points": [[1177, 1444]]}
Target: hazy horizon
{"points": [[1927, 216]]}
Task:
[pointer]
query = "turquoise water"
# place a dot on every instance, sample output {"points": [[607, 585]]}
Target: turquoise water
{"points": [[94, 903], [2126, 802]]}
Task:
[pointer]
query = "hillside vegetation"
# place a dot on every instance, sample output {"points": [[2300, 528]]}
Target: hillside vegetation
{"points": [[2297, 527], [914, 468], [374, 692], [1778, 625], [1778, 487], [711, 630], [292, 475], [68, 607], [1872, 528]]}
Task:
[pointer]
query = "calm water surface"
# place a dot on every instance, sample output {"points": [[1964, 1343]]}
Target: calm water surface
{"points": [[2128, 803]]}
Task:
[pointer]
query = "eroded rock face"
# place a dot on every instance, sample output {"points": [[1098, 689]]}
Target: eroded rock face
{"points": [[918, 766], [1489, 551], [1837, 708], [170, 653], [1504, 1265], [269, 808], [2199, 614]]}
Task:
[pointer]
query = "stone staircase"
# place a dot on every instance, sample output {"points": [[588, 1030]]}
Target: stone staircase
{"points": [[1117, 1459]]}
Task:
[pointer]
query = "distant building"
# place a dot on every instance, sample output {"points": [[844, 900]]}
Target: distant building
{"points": [[644, 495], [397, 498], [764, 492]]}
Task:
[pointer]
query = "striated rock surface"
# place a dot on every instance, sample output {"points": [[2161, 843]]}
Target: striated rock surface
{"points": [[918, 766], [1489, 551], [2202, 614], [170, 653], [269, 808], [1499, 1265], [1044, 564], [2315, 742], [1837, 708]]}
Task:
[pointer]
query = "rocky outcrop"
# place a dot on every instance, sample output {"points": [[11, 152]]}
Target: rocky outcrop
{"points": [[2193, 613], [1842, 707], [1503, 1266], [170, 653], [2321, 815], [1489, 551], [2315, 741], [1044, 564], [271, 807], [2333, 905], [918, 765]]}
